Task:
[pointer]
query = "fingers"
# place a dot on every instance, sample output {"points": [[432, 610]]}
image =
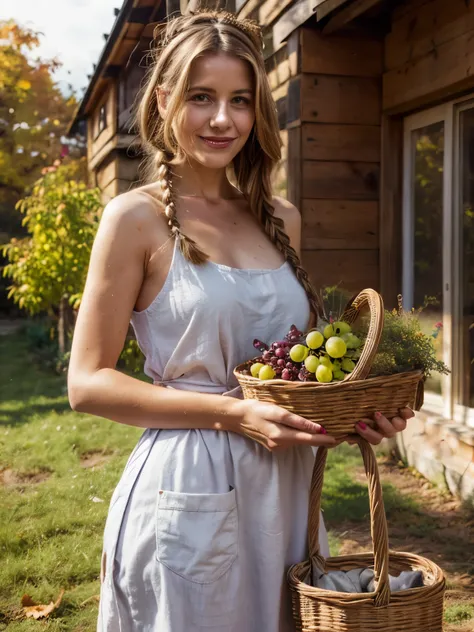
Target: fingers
{"points": [[399, 424], [406, 413], [282, 416], [371, 435], [384, 426], [288, 436]]}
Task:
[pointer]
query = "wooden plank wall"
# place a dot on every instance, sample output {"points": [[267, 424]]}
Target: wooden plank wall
{"points": [[429, 53], [334, 119]]}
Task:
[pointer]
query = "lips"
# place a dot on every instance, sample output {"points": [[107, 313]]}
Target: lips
{"points": [[217, 142]]}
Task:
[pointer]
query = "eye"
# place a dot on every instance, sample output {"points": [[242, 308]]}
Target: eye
{"points": [[241, 101], [200, 98]]}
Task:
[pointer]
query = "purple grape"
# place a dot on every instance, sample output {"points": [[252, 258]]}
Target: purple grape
{"points": [[267, 356], [281, 363], [302, 375], [274, 361], [289, 365], [285, 374], [278, 372], [275, 346], [280, 352]]}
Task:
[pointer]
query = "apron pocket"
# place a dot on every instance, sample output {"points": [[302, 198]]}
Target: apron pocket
{"points": [[197, 534]]}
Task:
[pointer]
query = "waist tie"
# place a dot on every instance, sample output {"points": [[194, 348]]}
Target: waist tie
{"points": [[235, 391]]}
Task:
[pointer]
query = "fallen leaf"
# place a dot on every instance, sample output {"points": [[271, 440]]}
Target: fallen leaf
{"points": [[39, 611]]}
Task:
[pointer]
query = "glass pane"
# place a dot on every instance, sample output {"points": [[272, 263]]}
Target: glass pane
{"points": [[467, 256], [428, 152]]}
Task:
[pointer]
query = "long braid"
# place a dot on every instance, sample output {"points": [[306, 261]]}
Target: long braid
{"points": [[188, 246], [275, 229]]}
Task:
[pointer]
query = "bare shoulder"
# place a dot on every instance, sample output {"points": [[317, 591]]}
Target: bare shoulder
{"points": [[291, 218], [287, 212], [133, 208]]}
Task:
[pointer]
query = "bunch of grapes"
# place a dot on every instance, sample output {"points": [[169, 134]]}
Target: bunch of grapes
{"points": [[325, 356]]}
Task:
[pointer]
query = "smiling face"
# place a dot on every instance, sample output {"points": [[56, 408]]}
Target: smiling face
{"points": [[219, 111]]}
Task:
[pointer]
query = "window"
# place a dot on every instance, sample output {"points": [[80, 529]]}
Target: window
{"points": [[438, 246], [102, 119]]}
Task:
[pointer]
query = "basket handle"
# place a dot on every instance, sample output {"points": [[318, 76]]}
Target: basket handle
{"points": [[378, 520], [374, 301]]}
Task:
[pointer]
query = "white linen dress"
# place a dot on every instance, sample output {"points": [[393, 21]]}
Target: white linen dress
{"points": [[204, 524]]}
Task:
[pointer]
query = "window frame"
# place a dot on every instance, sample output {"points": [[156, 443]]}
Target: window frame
{"points": [[449, 113]]}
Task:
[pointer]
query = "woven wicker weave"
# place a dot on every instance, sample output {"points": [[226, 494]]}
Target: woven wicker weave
{"points": [[318, 610], [339, 405]]}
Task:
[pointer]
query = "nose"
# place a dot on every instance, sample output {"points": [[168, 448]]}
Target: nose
{"points": [[220, 118]]}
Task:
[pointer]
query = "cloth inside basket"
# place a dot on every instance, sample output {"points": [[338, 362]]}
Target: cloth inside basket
{"points": [[360, 580]]}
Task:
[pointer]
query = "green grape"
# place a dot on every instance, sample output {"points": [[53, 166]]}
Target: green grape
{"points": [[311, 363], [328, 331], [352, 341], [266, 373], [325, 361], [323, 374], [348, 365], [314, 339], [340, 328], [336, 365], [299, 353], [336, 347], [339, 375], [255, 369]]}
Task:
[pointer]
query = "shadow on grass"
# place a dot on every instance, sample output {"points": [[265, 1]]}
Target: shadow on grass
{"points": [[24, 415], [26, 389], [443, 536]]}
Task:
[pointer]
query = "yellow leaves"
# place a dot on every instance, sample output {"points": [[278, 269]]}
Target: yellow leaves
{"points": [[23, 84], [36, 611]]}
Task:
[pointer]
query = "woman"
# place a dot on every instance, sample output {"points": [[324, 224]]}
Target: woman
{"points": [[212, 505]]}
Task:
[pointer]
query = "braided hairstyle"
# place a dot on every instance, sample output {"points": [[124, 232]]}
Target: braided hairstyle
{"points": [[179, 43]]}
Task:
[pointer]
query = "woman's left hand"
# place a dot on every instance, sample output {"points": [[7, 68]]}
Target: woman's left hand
{"points": [[385, 428]]}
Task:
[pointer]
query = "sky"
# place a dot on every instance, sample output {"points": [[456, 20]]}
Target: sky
{"points": [[73, 32]]}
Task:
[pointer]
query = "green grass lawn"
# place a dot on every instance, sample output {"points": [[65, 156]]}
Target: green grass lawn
{"points": [[51, 519], [53, 504]]}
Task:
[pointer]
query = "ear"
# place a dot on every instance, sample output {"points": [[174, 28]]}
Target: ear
{"points": [[162, 100]]}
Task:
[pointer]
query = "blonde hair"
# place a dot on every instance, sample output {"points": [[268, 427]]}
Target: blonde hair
{"points": [[184, 39]]}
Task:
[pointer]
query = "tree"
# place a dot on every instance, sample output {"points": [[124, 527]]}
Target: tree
{"points": [[34, 116], [49, 266]]}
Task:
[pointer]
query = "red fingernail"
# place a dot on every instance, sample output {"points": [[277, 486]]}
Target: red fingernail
{"points": [[362, 425], [378, 415], [322, 430]]}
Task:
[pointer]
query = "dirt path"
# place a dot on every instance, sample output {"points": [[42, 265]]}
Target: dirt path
{"points": [[440, 528]]}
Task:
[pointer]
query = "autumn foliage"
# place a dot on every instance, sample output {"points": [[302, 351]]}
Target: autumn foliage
{"points": [[49, 266]]}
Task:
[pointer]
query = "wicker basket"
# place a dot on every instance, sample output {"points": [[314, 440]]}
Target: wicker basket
{"points": [[338, 406], [318, 610]]}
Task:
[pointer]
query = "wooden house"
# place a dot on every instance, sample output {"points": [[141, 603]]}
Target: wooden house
{"points": [[376, 110]]}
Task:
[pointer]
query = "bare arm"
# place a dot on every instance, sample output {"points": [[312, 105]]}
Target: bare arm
{"points": [[115, 276]]}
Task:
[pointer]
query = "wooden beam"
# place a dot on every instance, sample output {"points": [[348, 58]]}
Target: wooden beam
{"points": [[341, 54], [358, 143], [347, 100], [291, 20], [111, 71], [390, 234], [347, 14], [447, 70], [330, 180], [339, 224], [351, 269], [141, 15]]}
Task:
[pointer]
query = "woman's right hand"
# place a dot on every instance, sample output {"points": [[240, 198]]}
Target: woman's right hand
{"points": [[276, 428]]}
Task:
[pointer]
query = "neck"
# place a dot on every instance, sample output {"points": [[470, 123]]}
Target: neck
{"points": [[193, 179]]}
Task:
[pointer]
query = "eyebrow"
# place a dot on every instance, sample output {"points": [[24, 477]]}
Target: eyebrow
{"points": [[204, 89]]}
